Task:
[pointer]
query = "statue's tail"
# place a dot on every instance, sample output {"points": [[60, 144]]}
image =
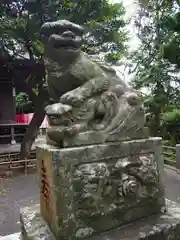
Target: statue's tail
{"points": [[128, 121]]}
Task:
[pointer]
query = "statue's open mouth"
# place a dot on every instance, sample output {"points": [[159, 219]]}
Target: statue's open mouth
{"points": [[60, 42], [65, 46]]}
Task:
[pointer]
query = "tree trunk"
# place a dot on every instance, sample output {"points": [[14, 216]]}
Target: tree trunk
{"points": [[31, 132], [155, 123], [34, 125]]}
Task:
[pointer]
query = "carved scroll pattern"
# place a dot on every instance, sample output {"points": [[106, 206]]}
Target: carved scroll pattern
{"points": [[102, 187]]}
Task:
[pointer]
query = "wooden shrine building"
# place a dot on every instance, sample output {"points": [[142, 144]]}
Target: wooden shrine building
{"points": [[12, 80]]}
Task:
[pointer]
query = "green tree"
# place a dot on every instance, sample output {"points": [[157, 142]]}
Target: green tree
{"points": [[153, 72], [20, 24], [171, 126], [171, 48]]}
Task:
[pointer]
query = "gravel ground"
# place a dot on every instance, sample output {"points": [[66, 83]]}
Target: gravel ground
{"points": [[23, 190], [10, 148], [15, 193]]}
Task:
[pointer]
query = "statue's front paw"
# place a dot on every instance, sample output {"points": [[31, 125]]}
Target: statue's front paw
{"points": [[72, 98], [99, 127], [70, 131], [57, 109]]}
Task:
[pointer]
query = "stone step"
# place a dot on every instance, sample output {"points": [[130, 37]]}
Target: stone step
{"points": [[15, 236]]}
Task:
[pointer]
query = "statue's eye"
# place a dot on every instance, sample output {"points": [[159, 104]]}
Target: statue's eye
{"points": [[56, 31]]}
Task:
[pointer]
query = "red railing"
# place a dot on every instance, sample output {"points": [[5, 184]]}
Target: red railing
{"points": [[26, 118]]}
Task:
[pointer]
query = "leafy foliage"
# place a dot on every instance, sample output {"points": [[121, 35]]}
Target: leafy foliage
{"points": [[21, 21], [171, 126], [155, 72], [23, 104]]}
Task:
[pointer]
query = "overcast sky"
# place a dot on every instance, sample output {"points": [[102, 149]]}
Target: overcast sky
{"points": [[131, 7]]}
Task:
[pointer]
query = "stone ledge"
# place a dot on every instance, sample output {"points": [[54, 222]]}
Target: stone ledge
{"points": [[97, 152], [15, 236], [33, 226], [98, 137], [158, 227]]}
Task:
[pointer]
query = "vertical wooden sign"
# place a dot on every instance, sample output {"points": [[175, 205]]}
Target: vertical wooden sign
{"points": [[45, 187], [46, 195]]}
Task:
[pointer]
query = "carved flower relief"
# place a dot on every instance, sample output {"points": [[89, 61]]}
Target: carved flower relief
{"points": [[92, 170], [120, 180], [126, 164], [128, 186], [134, 174], [143, 168], [148, 171], [99, 180], [91, 180]]}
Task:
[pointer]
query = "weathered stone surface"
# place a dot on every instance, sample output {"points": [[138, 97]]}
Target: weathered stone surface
{"points": [[158, 227], [90, 189], [88, 94], [97, 137], [33, 226], [178, 156], [15, 236]]}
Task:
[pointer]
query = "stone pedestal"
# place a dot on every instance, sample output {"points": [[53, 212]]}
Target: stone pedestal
{"points": [[178, 156], [164, 226], [90, 189]]}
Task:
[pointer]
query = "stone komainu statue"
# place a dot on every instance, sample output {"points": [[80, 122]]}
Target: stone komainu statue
{"points": [[89, 97]]}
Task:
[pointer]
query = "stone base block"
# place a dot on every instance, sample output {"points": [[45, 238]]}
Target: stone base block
{"points": [[158, 227], [97, 137], [99, 187]]}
